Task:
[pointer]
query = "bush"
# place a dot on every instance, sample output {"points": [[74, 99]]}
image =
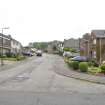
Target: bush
{"points": [[94, 70], [66, 49], [90, 64], [73, 50], [102, 68], [75, 65], [70, 63], [95, 63], [9, 54], [20, 58], [83, 66]]}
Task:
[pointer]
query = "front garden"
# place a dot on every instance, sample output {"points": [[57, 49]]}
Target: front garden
{"points": [[13, 57], [86, 67]]}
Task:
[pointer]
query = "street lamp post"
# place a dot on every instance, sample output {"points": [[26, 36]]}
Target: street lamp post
{"points": [[2, 63]]}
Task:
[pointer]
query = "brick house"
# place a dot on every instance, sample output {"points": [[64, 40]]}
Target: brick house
{"points": [[98, 44], [85, 44], [93, 45]]}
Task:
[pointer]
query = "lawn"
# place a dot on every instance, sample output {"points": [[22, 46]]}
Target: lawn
{"points": [[10, 59], [14, 59]]}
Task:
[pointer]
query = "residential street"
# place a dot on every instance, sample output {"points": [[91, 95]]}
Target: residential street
{"points": [[35, 82]]}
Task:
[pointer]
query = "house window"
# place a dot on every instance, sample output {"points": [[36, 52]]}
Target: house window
{"points": [[94, 54], [94, 41]]}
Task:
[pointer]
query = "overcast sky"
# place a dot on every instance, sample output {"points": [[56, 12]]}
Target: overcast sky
{"points": [[46, 20]]}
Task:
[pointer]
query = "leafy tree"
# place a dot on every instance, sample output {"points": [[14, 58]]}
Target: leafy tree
{"points": [[54, 48], [40, 45]]}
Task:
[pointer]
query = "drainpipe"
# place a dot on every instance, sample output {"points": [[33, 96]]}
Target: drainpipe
{"points": [[88, 48], [100, 50]]}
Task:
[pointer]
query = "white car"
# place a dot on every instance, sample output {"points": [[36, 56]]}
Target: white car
{"points": [[39, 53], [67, 54]]}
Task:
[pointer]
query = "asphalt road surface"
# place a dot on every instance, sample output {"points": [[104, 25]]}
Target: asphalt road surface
{"points": [[34, 82]]}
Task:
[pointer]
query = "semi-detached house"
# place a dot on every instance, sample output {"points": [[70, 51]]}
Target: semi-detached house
{"points": [[71, 43], [16, 46], [10, 45], [98, 47], [93, 45], [6, 43]]}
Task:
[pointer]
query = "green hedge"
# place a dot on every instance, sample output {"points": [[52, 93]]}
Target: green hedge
{"points": [[66, 49], [75, 65], [83, 66], [102, 68], [90, 64], [70, 64], [70, 49]]}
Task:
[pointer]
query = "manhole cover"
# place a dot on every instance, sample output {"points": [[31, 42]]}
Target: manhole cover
{"points": [[20, 78]]}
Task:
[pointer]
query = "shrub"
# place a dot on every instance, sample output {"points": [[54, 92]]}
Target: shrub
{"points": [[95, 63], [102, 68], [20, 58], [90, 64], [94, 70], [9, 54], [75, 65], [73, 50], [83, 66], [14, 55], [66, 49], [66, 59], [70, 63]]}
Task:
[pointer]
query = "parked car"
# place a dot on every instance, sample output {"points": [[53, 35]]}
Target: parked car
{"points": [[67, 54], [75, 54], [38, 53], [80, 58], [28, 54]]}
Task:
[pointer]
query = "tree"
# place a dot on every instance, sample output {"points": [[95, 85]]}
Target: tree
{"points": [[54, 48], [40, 45]]}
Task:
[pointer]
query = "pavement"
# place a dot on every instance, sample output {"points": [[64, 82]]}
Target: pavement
{"points": [[10, 64], [35, 81], [78, 75]]}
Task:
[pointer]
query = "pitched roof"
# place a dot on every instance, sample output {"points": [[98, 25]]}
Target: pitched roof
{"points": [[6, 36], [99, 33], [86, 36]]}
